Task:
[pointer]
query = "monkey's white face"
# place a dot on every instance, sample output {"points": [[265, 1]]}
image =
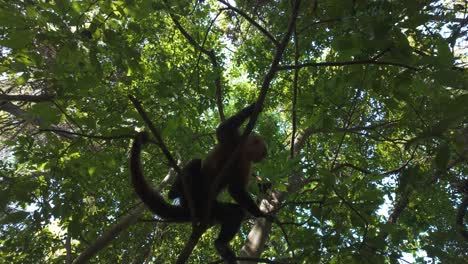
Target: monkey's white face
{"points": [[255, 148]]}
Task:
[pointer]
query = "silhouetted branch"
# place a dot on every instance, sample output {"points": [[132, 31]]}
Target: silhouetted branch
{"points": [[26, 98], [197, 230], [211, 55], [156, 134], [59, 131], [345, 63], [251, 21], [109, 235]]}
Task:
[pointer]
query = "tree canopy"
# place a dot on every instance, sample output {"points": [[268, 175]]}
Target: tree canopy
{"points": [[364, 106]]}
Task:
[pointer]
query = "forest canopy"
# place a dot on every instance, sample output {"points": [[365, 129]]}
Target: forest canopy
{"points": [[364, 107]]}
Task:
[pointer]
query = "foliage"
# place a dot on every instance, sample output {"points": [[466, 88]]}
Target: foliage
{"points": [[380, 127]]}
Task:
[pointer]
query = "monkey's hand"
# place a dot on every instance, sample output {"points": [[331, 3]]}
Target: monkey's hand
{"points": [[251, 108]]}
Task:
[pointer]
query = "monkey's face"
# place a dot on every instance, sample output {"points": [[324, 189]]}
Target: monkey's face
{"points": [[255, 148]]}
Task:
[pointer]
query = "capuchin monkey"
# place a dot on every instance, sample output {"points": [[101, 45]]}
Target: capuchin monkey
{"points": [[199, 175]]}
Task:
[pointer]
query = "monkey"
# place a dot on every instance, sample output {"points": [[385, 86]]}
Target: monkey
{"points": [[200, 174]]}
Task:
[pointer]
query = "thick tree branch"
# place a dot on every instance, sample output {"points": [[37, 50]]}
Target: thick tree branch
{"points": [[68, 248], [263, 92], [19, 113], [295, 87], [257, 237], [197, 232], [124, 222], [110, 235], [272, 71], [398, 208], [26, 98]]}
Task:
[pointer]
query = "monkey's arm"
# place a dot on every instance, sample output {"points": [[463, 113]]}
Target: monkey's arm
{"points": [[228, 131], [241, 196]]}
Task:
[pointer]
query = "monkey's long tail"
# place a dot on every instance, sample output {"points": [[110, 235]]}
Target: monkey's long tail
{"points": [[149, 196]]}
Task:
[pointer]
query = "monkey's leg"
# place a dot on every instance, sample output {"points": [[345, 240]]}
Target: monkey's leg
{"points": [[230, 216]]}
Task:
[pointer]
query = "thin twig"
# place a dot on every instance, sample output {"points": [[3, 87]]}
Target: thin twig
{"points": [[286, 237], [251, 21], [211, 55], [295, 84], [345, 63], [59, 131]]}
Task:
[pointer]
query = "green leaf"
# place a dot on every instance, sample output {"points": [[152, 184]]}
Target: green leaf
{"points": [[17, 39], [74, 227], [442, 157], [328, 177], [14, 218], [9, 18], [171, 126], [444, 54], [91, 171], [46, 113], [4, 199]]}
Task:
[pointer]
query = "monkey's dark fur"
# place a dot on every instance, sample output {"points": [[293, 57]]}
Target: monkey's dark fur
{"points": [[199, 176]]}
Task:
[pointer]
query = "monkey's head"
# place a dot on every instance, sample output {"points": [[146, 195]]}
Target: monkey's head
{"points": [[255, 148]]}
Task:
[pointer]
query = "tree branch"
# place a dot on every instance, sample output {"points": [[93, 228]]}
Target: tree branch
{"points": [[261, 98], [312, 130], [294, 100], [211, 55], [19, 113], [60, 131], [156, 134], [110, 235], [124, 222], [342, 165], [345, 63], [197, 230], [399, 207], [254, 248], [272, 71], [251, 21], [26, 97]]}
